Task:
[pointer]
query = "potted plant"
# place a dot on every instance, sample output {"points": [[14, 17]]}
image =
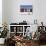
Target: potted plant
{"points": [[3, 34]]}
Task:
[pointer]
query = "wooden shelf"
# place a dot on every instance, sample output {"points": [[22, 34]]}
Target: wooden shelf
{"points": [[19, 29]]}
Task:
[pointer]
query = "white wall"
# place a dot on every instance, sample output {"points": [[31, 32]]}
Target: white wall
{"points": [[40, 10], [11, 11], [4, 11], [15, 15], [0, 13]]}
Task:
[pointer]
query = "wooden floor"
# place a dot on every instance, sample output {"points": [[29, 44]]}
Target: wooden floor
{"points": [[1, 45], [42, 45], [33, 45]]}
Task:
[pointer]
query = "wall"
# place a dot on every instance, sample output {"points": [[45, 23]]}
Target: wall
{"points": [[0, 13], [15, 15], [11, 11], [40, 10], [4, 11]]}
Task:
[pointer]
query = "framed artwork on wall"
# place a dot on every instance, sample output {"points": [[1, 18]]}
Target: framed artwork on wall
{"points": [[26, 9]]}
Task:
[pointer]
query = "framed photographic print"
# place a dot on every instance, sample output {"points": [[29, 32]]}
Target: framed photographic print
{"points": [[26, 9]]}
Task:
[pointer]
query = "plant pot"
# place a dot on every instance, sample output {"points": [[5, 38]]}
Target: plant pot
{"points": [[2, 40]]}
